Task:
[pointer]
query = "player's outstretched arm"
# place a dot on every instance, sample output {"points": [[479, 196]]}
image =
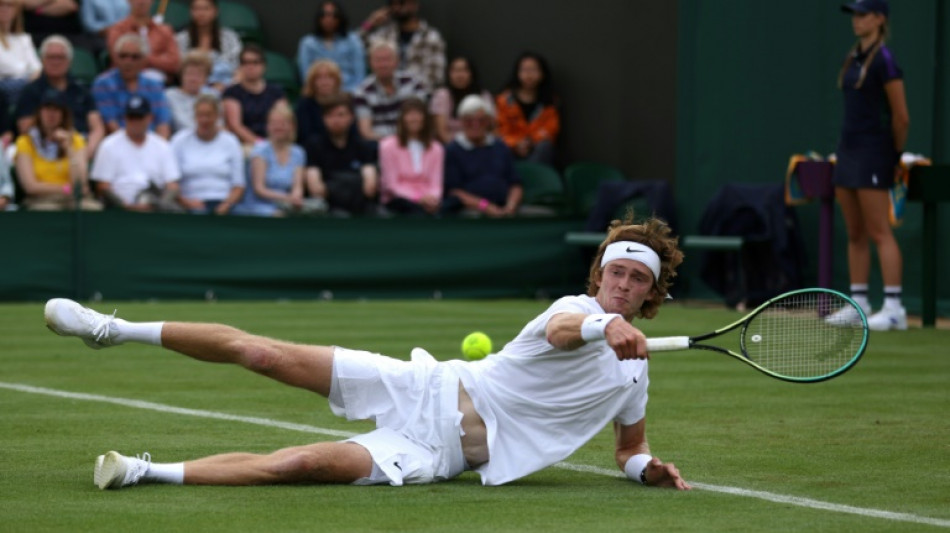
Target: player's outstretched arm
{"points": [[633, 457], [569, 331]]}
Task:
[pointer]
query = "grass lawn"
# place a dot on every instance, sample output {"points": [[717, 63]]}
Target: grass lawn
{"points": [[867, 451]]}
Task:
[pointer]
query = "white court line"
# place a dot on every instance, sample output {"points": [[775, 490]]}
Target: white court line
{"points": [[768, 496]]}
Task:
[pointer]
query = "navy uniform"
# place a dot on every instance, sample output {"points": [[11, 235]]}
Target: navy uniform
{"points": [[866, 156]]}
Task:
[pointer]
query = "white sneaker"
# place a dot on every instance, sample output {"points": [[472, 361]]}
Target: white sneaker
{"points": [[114, 470], [889, 318], [68, 318], [846, 316]]}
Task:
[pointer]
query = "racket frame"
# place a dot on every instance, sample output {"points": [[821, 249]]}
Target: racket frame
{"points": [[684, 343]]}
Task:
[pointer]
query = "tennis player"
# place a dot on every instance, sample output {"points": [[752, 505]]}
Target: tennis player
{"points": [[577, 366]]}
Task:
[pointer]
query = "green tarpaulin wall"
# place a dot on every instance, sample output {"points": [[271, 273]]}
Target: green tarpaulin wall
{"points": [[117, 255]]}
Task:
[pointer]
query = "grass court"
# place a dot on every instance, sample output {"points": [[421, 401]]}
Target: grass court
{"points": [[867, 451]]}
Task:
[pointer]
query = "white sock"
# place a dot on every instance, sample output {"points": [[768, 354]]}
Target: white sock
{"points": [[144, 332], [859, 293], [173, 473], [892, 296]]}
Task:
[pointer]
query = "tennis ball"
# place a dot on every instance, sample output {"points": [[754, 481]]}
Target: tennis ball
{"points": [[476, 346]]}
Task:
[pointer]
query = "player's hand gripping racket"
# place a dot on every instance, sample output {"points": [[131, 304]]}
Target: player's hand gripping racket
{"points": [[792, 337]]}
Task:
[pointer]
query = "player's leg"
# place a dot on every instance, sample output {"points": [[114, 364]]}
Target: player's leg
{"points": [[308, 367], [324, 462]]}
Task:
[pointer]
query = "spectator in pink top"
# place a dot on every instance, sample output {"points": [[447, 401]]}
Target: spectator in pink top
{"points": [[411, 163]]}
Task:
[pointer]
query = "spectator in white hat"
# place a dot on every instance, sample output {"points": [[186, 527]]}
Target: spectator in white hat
{"points": [[480, 174]]}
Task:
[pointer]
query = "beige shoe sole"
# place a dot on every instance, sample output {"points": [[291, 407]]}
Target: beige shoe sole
{"points": [[110, 471]]}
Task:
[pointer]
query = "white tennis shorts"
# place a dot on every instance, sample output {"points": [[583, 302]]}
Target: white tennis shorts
{"points": [[415, 407]]}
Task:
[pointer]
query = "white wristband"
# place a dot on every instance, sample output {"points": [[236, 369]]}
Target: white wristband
{"points": [[636, 467], [592, 329]]}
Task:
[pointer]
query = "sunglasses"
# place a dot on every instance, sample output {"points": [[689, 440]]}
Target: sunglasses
{"points": [[125, 55]]}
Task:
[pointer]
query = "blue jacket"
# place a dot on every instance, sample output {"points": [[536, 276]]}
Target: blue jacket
{"points": [[347, 52]]}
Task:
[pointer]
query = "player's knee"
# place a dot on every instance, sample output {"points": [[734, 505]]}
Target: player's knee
{"points": [[306, 464]]}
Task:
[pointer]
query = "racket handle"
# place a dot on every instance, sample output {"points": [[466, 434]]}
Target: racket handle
{"points": [[667, 344]]}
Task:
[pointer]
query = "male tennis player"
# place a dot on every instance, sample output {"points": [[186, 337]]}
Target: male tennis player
{"points": [[577, 366]]}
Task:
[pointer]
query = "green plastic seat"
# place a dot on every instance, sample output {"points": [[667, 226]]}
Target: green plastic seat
{"points": [[542, 185], [582, 181], [176, 15], [241, 19], [282, 71], [84, 66]]}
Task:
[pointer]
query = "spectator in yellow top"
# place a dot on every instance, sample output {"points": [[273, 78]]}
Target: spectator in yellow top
{"points": [[51, 159]]}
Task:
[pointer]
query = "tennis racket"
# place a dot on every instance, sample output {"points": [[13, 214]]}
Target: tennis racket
{"points": [[792, 337]]}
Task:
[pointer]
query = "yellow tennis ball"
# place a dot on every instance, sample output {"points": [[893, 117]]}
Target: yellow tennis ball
{"points": [[476, 346]]}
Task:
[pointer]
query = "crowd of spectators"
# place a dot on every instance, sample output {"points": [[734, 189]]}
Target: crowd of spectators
{"points": [[188, 122]]}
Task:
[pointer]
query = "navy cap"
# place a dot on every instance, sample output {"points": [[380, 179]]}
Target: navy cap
{"points": [[867, 6], [137, 106]]}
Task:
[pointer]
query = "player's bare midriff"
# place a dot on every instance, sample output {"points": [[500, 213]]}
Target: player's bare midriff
{"points": [[474, 434]]}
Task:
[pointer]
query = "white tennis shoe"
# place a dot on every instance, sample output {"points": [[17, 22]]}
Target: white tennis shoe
{"points": [[846, 316], [889, 318], [114, 470], [70, 319]]}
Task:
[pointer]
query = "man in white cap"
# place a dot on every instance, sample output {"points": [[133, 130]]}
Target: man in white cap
{"points": [[480, 175], [578, 366]]}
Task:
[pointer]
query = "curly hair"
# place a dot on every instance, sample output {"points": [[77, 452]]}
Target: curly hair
{"points": [[651, 232]]}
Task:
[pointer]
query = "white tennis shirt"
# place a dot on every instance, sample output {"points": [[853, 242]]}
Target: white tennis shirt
{"points": [[540, 403]]}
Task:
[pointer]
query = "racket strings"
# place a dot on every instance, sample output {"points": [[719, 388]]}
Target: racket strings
{"points": [[793, 336]]}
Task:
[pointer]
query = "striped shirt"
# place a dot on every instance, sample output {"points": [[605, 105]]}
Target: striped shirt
{"points": [[373, 102], [111, 94]]}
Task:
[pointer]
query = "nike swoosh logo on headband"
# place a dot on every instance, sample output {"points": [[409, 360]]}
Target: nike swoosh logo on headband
{"points": [[629, 251]]}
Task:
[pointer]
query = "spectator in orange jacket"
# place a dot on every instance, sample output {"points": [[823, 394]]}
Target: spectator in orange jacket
{"points": [[528, 119]]}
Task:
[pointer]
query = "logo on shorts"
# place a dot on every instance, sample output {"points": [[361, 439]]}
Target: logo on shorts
{"points": [[874, 179], [396, 464]]}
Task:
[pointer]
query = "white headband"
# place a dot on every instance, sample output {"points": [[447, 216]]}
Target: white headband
{"points": [[635, 252]]}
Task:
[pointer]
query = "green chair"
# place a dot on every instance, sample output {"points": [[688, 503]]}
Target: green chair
{"points": [[241, 19], [638, 205], [543, 189], [282, 71], [176, 15], [583, 180], [84, 66]]}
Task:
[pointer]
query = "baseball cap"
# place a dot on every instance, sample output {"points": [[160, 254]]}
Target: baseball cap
{"points": [[867, 6], [137, 106]]}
